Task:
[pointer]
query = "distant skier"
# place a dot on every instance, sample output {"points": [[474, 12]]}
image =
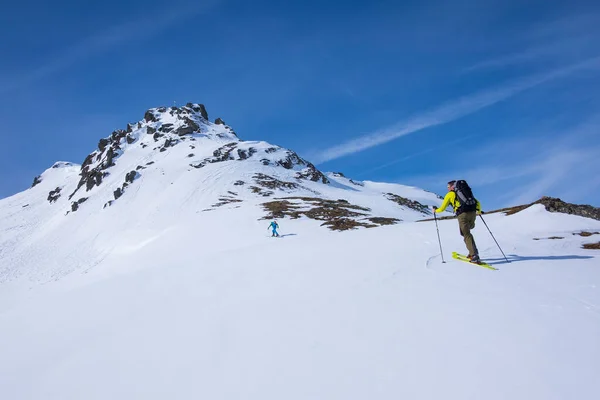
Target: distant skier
{"points": [[274, 227], [466, 207]]}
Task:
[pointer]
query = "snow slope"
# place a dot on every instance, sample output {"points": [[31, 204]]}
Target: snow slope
{"points": [[152, 297]]}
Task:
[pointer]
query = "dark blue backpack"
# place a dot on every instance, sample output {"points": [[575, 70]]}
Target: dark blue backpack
{"points": [[464, 194]]}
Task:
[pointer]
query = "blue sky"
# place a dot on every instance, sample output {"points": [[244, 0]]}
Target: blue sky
{"points": [[503, 93]]}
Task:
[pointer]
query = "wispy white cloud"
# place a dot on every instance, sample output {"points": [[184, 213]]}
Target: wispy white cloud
{"points": [[557, 49], [585, 193], [571, 37], [449, 111], [109, 38], [568, 25], [559, 168], [563, 168], [417, 154], [562, 164]]}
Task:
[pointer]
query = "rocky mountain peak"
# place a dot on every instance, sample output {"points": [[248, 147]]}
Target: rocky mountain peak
{"points": [[176, 120], [169, 140]]}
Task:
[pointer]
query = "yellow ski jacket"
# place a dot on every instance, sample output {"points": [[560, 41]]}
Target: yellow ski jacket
{"points": [[451, 199]]}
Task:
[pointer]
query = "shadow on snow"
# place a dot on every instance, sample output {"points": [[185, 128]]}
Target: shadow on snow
{"points": [[516, 258]]}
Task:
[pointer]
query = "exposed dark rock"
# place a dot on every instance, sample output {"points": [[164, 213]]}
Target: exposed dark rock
{"points": [[271, 150], [37, 180], [384, 220], [110, 155], [150, 130], [345, 224], [556, 205], [168, 143], [54, 195], [339, 175], [226, 200], [592, 246], [129, 128], [88, 160], [93, 178], [102, 144], [259, 191], [130, 139], [166, 128], [156, 136], [139, 167], [310, 172], [336, 214], [191, 155], [189, 127], [280, 209], [184, 130], [139, 125], [290, 160], [330, 210], [586, 234], [150, 163], [219, 121], [199, 108], [243, 154], [75, 204], [356, 183], [130, 176], [269, 182], [412, 204], [149, 116], [223, 153], [117, 135], [239, 183]]}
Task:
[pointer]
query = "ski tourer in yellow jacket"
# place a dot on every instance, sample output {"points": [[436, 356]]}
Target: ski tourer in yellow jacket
{"points": [[466, 220], [451, 200]]}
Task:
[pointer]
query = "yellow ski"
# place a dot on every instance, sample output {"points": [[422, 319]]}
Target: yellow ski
{"points": [[460, 257]]}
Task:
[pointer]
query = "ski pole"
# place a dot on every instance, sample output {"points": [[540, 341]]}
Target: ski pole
{"points": [[488, 228], [438, 233]]}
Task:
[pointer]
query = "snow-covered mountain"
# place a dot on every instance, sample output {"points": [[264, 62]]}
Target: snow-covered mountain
{"points": [[175, 165], [148, 272]]}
